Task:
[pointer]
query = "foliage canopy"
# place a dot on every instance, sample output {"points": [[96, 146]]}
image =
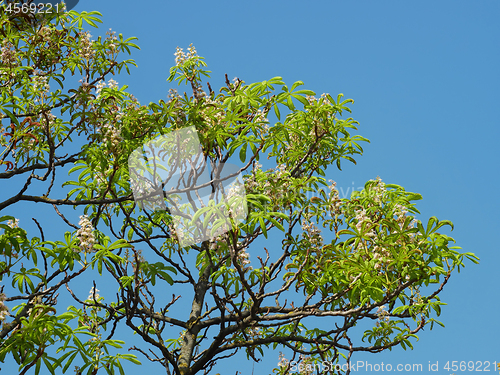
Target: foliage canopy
{"points": [[363, 261]]}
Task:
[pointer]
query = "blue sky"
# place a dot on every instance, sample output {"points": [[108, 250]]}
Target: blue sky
{"points": [[425, 79]]}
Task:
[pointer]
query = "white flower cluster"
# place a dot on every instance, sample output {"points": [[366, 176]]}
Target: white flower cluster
{"points": [[213, 114], [243, 259], [276, 185], [260, 117], [111, 36], [110, 130], [45, 32], [311, 99], [312, 234], [113, 134], [362, 218], [378, 190], [40, 83], [251, 184], [112, 84], [13, 223], [253, 332], [305, 364], [280, 170], [324, 99], [8, 54], [94, 294], [51, 118], [85, 234], [181, 56], [213, 244], [4, 311], [172, 95], [86, 49], [179, 114], [102, 177], [173, 233], [38, 300], [199, 93], [100, 85], [283, 362], [334, 194], [382, 256], [237, 208], [400, 212], [382, 314], [191, 51]]}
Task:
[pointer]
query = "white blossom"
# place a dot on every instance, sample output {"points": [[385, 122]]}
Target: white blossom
{"points": [[51, 118], [191, 51], [86, 49], [45, 32], [8, 54], [4, 311], [199, 93], [99, 86], [13, 223], [180, 56], [281, 169], [361, 217], [112, 84], [378, 190], [111, 35], [85, 234], [40, 83], [94, 294], [253, 331], [324, 98], [311, 99], [112, 133], [260, 116], [312, 234], [382, 314], [283, 362], [243, 258]]}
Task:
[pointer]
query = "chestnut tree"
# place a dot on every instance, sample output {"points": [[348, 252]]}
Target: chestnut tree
{"points": [[308, 272]]}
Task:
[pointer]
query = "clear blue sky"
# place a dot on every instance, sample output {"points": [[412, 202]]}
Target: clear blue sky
{"points": [[425, 77]]}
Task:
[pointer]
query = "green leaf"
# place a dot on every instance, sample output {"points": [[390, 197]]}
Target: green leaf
{"points": [[167, 277], [277, 111], [276, 224], [126, 280], [305, 92], [296, 84], [49, 365], [263, 226], [11, 116], [301, 99], [243, 153]]}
